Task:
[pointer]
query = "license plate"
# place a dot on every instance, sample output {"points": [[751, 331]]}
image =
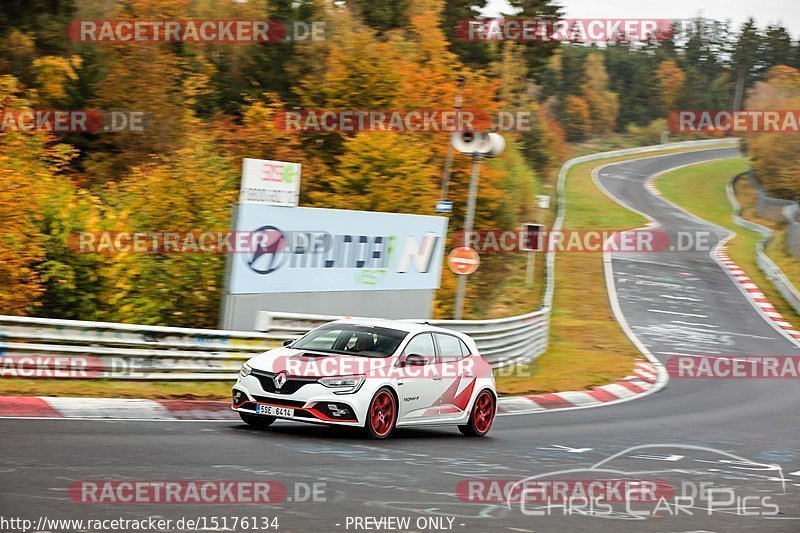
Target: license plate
{"points": [[274, 410]]}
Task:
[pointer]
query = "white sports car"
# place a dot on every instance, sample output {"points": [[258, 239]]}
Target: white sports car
{"points": [[374, 374]]}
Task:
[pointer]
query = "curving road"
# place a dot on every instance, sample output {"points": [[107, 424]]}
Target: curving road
{"points": [[723, 433]]}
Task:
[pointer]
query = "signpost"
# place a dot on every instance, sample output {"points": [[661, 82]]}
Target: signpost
{"points": [[444, 206], [542, 201], [270, 182], [531, 242], [463, 260]]}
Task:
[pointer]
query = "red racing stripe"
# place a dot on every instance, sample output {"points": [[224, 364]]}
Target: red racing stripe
{"points": [[632, 386], [602, 395], [551, 401], [26, 406]]}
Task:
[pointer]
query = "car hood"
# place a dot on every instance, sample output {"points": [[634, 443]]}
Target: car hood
{"points": [[307, 363]]}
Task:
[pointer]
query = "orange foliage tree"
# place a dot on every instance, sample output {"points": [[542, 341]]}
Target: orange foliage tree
{"points": [[776, 156]]}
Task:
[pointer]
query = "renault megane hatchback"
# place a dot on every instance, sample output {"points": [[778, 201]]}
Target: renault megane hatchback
{"points": [[373, 374]]}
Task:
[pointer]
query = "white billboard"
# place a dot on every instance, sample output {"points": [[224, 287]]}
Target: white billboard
{"points": [[305, 249], [269, 182]]}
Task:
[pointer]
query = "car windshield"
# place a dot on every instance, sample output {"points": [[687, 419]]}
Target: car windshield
{"points": [[352, 339]]}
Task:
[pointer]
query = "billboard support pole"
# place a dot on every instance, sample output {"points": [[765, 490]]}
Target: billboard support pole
{"points": [[225, 318], [469, 221], [531, 266]]}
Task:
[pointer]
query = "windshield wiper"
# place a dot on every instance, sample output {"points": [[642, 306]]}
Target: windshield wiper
{"points": [[343, 352], [317, 350]]}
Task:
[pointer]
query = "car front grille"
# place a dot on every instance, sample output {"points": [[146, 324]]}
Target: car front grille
{"points": [[291, 386]]}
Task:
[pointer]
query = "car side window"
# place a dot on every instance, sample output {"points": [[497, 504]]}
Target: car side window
{"points": [[422, 345], [449, 347], [464, 348]]}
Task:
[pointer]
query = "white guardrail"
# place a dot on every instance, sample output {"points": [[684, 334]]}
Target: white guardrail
{"points": [[767, 265], [128, 351]]}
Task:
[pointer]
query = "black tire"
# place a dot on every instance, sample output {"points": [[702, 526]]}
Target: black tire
{"points": [[382, 424], [257, 421], [482, 415]]}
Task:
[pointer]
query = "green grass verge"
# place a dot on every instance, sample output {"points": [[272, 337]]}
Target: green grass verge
{"points": [[587, 346], [106, 388], [776, 250], [701, 190]]}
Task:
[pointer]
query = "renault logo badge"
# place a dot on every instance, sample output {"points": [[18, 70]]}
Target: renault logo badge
{"points": [[280, 379]]}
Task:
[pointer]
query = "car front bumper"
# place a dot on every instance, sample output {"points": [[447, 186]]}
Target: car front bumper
{"points": [[311, 402]]}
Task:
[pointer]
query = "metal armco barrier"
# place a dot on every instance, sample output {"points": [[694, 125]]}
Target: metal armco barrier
{"points": [[127, 351], [767, 265], [779, 210]]}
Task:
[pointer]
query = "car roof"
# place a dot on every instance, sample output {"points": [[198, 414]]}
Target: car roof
{"points": [[402, 325]]}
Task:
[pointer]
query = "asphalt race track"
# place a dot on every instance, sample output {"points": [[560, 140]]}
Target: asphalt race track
{"points": [[739, 436]]}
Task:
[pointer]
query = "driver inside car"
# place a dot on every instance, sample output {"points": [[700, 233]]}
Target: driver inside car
{"points": [[364, 343]]}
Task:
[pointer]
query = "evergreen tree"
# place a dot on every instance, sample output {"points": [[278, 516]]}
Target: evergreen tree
{"points": [[778, 47], [382, 15]]}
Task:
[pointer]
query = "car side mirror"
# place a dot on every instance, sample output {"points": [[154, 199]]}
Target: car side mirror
{"points": [[287, 342], [413, 359]]}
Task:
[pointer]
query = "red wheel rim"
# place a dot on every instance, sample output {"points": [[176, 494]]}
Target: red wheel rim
{"points": [[483, 412], [381, 414]]}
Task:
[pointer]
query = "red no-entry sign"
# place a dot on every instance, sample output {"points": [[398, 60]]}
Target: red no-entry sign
{"points": [[463, 260]]}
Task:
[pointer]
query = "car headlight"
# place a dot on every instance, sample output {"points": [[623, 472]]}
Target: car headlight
{"points": [[245, 370], [346, 383]]}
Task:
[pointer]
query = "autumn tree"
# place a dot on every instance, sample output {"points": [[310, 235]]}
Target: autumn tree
{"points": [[384, 171], [603, 103], [30, 166], [776, 157], [53, 75], [670, 80], [192, 189], [579, 117]]}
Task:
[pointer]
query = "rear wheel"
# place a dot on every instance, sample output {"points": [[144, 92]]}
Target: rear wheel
{"points": [[381, 415], [258, 422], [481, 417]]}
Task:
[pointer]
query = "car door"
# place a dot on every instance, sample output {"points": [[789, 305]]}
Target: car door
{"points": [[458, 380], [420, 387]]}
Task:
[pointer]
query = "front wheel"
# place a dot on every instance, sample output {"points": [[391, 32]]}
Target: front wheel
{"points": [[481, 417], [257, 422], [381, 415]]}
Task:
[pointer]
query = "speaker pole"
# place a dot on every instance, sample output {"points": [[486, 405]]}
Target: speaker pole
{"points": [[469, 222], [448, 160]]}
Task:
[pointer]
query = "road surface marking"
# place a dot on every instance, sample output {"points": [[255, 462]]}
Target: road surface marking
{"points": [[676, 313]]}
